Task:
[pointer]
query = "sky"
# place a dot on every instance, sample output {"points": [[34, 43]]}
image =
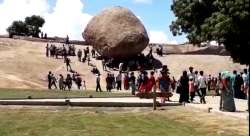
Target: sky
{"points": [[70, 17]]}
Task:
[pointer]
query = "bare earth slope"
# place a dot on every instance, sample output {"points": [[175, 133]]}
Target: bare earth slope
{"points": [[23, 64]]}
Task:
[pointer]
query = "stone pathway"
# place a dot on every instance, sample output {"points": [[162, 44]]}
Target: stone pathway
{"points": [[212, 103]]}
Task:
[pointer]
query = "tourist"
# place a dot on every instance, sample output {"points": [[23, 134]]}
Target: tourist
{"points": [[108, 82], [191, 89], [191, 74], [139, 80], [47, 50], [119, 81], [93, 53], [245, 77], [132, 83], [120, 67], [67, 40], [78, 81], [68, 64], [202, 87], [144, 83], [88, 59], [98, 84], [64, 53], [53, 81], [104, 65], [227, 99], [173, 84], [238, 90], [184, 88], [68, 82], [213, 86], [61, 82], [79, 54], [151, 83], [49, 79], [209, 79], [126, 81], [163, 83], [196, 83]]}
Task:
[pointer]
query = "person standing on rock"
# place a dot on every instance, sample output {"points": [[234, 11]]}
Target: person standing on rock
{"points": [[68, 66], [49, 79], [79, 54], [98, 85]]}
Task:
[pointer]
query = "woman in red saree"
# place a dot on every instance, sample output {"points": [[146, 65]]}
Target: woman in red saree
{"points": [[126, 81], [151, 83]]}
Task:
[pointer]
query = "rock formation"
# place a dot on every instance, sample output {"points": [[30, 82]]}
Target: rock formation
{"points": [[116, 33]]}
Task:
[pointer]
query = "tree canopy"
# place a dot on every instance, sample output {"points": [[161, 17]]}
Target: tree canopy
{"points": [[224, 21], [30, 27]]}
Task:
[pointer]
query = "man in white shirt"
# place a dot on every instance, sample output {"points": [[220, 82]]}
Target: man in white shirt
{"points": [[202, 86]]}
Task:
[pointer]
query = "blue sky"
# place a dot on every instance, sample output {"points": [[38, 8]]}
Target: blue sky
{"points": [[155, 15]]}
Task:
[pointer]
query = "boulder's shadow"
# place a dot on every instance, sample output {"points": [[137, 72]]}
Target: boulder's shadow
{"points": [[136, 63]]}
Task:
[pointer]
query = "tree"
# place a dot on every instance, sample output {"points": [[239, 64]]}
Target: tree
{"points": [[17, 28], [191, 14], [225, 21], [34, 23]]}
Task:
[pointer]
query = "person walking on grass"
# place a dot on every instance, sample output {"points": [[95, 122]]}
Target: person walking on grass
{"points": [[49, 79], [202, 87], [61, 83], [53, 81], [69, 82]]}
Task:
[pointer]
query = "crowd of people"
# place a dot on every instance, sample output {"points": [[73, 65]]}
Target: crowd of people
{"points": [[192, 83], [66, 83]]}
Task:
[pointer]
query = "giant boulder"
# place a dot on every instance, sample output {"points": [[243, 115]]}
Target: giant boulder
{"points": [[116, 33]]}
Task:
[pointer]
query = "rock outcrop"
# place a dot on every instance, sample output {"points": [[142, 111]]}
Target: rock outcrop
{"points": [[116, 33]]}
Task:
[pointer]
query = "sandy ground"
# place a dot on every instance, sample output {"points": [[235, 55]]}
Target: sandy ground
{"points": [[23, 64]]}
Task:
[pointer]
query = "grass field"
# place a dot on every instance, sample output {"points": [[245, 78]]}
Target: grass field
{"points": [[24, 93], [176, 121]]}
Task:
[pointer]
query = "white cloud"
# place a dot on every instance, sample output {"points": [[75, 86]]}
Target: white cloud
{"points": [[66, 17], [160, 37], [143, 1]]}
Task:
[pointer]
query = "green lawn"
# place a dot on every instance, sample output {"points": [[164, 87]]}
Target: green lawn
{"points": [[24, 93], [82, 122]]}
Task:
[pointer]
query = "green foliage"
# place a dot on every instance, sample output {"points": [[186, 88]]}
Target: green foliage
{"points": [[225, 21], [34, 23], [31, 26], [17, 28]]}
